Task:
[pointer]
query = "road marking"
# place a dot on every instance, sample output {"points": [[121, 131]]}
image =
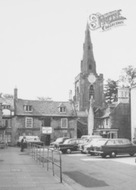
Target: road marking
{"points": [[93, 159], [130, 161], [120, 159], [73, 155]]}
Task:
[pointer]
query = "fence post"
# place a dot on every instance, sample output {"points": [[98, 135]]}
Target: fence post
{"points": [[43, 156], [52, 163], [60, 167], [47, 159]]}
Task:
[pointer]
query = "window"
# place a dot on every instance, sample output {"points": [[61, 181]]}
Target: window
{"points": [[64, 123], [5, 106], [7, 123], [46, 122], [106, 121], [28, 122], [27, 108], [111, 142], [62, 109], [90, 67]]}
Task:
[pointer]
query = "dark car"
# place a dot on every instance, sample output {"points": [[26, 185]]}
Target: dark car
{"points": [[58, 141], [69, 145], [112, 147], [2, 144]]}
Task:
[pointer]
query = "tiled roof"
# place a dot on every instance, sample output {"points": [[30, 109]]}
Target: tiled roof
{"points": [[44, 108], [7, 101]]}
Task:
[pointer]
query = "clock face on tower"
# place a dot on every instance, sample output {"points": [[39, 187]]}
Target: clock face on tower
{"points": [[91, 78]]}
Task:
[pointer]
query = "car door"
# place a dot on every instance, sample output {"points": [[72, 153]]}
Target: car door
{"points": [[124, 146], [128, 147]]}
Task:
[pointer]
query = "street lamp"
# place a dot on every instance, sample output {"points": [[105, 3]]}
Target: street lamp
{"points": [[91, 79]]}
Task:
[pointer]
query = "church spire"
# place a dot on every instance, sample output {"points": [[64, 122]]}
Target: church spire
{"points": [[88, 64]]}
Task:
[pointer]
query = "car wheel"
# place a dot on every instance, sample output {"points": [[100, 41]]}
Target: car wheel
{"points": [[103, 155], [68, 151], [113, 154]]}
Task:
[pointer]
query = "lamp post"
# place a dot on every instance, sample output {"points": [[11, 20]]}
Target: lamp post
{"points": [[91, 79]]}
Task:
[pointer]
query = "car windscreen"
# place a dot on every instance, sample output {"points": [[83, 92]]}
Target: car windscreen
{"points": [[67, 141], [59, 140], [93, 141], [100, 142]]}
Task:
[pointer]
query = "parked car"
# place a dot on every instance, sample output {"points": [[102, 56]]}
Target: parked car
{"points": [[69, 145], [58, 141], [2, 145], [87, 140], [87, 146], [31, 140], [113, 147]]}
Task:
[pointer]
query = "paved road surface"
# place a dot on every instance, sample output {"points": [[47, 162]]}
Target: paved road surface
{"points": [[90, 172]]}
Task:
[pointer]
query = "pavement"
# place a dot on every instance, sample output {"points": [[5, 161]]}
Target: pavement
{"points": [[19, 171]]}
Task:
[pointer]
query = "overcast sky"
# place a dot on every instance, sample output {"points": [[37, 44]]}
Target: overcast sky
{"points": [[41, 44]]}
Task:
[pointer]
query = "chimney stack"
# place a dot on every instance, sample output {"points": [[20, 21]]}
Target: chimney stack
{"points": [[15, 94]]}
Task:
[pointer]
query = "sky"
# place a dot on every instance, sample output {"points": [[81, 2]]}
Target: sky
{"points": [[41, 44]]}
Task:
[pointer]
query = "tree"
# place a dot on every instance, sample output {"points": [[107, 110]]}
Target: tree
{"points": [[110, 91], [7, 96], [44, 98], [128, 76]]}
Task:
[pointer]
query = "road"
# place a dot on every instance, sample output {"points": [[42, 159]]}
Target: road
{"points": [[83, 172]]}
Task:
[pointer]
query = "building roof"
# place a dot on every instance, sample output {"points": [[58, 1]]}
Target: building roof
{"points": [[44, 108], [7, 101]]}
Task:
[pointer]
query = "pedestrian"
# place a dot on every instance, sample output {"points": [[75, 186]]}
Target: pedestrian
{"points": [[23, 144]]}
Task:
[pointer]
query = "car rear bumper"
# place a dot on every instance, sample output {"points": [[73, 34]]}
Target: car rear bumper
{"points": [[96, 152]]}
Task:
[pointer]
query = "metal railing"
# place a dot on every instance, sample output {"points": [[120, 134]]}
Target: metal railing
{"points": [[49, 156]]}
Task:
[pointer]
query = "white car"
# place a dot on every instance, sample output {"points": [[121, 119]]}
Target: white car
{"points": [[87, 146], [30, 139]]}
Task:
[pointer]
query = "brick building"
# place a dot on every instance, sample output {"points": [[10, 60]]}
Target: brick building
{"points": [[46, 119], [114, 121]]}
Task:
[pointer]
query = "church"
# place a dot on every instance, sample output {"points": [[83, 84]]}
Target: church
{"points": [[110, 121], [84, 89]]}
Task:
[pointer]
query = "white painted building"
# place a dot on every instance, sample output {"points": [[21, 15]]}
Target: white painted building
{"points": [[133, 112]]}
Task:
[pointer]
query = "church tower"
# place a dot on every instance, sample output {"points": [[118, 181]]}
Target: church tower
{"points": [[82, 85]]}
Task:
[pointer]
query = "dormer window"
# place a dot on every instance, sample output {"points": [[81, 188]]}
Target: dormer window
{"points": [[62, 108], [5, 106], [28, 108]]}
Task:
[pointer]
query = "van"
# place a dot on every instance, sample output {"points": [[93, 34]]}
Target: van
{"points": [[30, 139]]}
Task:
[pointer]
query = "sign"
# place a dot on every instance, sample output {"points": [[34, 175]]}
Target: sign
{"points": [[106, 21], [46, 130]]}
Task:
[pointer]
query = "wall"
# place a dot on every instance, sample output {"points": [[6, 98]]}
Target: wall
{"points": [[71, 131], [120, 119], [133, 113]]}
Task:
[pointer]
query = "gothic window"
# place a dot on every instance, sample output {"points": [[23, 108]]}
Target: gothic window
{"points": [[91, 91], [90, 67]]}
